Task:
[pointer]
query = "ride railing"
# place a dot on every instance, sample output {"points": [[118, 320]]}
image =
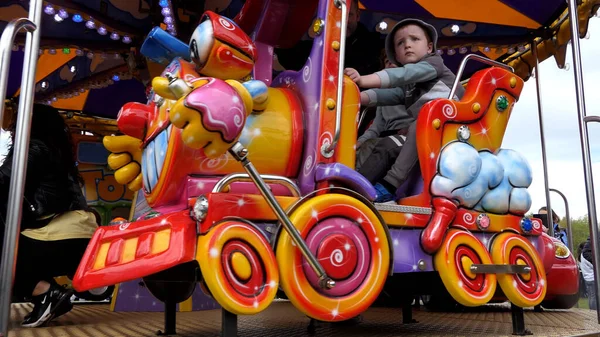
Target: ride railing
{"points": [[21, 144]]}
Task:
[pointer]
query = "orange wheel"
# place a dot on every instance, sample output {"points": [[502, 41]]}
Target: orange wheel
{"points": [[351, 244], [524, 290], [453, 261], [238, 267]]}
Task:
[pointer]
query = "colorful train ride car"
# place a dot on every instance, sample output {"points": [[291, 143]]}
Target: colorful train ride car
{"points": [[306, 223]]}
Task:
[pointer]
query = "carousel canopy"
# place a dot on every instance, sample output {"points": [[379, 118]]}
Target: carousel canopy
{"points": [[90, 62]]}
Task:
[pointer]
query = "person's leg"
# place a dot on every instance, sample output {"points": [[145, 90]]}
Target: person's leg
{"points": [[382, 156], [401, 168], [39, 263], [591, 290], [364, 152], [406, 160]]}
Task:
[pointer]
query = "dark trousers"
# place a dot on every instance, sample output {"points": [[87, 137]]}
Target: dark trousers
{"points": [[391, 158], [591, 290], [43, 260]]}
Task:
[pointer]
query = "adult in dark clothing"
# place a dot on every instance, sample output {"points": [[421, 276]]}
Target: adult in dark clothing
{"points": [[363, 48], [55, 225], [587, 270]]}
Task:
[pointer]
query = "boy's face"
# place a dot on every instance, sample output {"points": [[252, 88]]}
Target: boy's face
{"points": [[411, 44]]}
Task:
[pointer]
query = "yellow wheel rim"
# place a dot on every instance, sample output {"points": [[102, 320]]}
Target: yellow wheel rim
{"points": [[322, 221], [524, 290], [238, 267], [453, 262]]}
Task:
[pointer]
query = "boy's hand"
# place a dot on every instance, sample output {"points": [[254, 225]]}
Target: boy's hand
{"points": [[353, 74]]}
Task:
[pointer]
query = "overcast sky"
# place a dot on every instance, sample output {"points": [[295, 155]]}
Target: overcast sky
{"points": [[563, 145], [565, 166]]}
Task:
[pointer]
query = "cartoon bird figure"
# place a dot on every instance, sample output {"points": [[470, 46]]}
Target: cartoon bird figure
{"points": [[221, 49]]}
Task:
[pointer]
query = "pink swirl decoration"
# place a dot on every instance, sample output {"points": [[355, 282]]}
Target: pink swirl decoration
{"points": [[361, 258], [449, 111], [468, 218], [220, 107]]}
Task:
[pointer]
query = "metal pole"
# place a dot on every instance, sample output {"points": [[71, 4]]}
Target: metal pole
{"points": [[8, 36], [239, 152], [327, 150], [585, 146], [538, 88], [19, 165], [568, 215]]}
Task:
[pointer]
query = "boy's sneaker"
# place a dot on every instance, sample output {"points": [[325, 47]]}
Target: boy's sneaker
{"points": [[383, 195], [55, 302]]}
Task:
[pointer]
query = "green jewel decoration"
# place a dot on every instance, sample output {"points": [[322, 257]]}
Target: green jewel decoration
{"points": [[502, 103], [66, 51]]}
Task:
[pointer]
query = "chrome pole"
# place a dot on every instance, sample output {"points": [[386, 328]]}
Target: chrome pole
{"points": [[8, 36], [327, 149], [538, 88], [569, 224], [239, 152], [585, 146], [19, 165]]}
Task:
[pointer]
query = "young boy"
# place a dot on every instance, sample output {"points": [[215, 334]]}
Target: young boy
{"points": [[420, 77], [390, 121]]}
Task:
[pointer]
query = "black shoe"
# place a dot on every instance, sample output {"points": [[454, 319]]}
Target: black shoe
{"points": [[55, 302]]}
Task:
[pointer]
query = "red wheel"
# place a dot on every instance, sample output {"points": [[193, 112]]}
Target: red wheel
{"points": [[524, 290], [351, 244], [453, 261], [238, 267]]}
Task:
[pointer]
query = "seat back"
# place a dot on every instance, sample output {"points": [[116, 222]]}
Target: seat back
{"points": [[479, 119]]}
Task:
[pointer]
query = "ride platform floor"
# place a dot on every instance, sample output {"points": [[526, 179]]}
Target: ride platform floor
{"points": [[281, 319]]}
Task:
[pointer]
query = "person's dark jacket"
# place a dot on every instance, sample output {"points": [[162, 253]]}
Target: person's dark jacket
{"points": [[587, 251], [363, 52], [49, 189]]}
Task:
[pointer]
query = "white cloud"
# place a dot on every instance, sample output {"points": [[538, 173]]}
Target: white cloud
{"points": [[563, 145]]}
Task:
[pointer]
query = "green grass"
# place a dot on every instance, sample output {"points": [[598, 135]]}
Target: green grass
{"points": [[583, 303]]}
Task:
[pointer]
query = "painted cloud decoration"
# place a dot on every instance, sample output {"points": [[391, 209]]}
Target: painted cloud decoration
{"points": [[483, 181]]}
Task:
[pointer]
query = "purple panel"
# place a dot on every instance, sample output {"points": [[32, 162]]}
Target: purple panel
{"points": [[133, 297], [107, 102], [541, 11], [348, 176], [307, 84], [407, 8], [412, 186], [408, 252], [201, 301], [15, 73]]}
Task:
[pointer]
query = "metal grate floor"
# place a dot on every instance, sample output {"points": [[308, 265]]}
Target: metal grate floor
{"points": [[282, 319]]}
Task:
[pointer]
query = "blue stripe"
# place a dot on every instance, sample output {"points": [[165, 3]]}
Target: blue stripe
{"points": [[160, 149]]}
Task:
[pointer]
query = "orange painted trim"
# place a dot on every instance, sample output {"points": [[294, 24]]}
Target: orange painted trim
{"points": [[251, 207], [47, 64]]}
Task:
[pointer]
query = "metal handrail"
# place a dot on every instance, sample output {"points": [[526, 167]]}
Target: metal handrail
{"points": [[8, 36], [569, 224], [327, 150], [19, 164], [231, 178], [585, 146], [538, 87], [463, 64]]}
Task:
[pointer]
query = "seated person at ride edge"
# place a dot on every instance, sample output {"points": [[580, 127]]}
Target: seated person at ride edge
{"points": [[420, 77], [56, 226], [559, 233], [362, 47]]}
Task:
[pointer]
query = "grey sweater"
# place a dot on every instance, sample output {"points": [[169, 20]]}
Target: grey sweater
{"points": [[414, 84]]}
